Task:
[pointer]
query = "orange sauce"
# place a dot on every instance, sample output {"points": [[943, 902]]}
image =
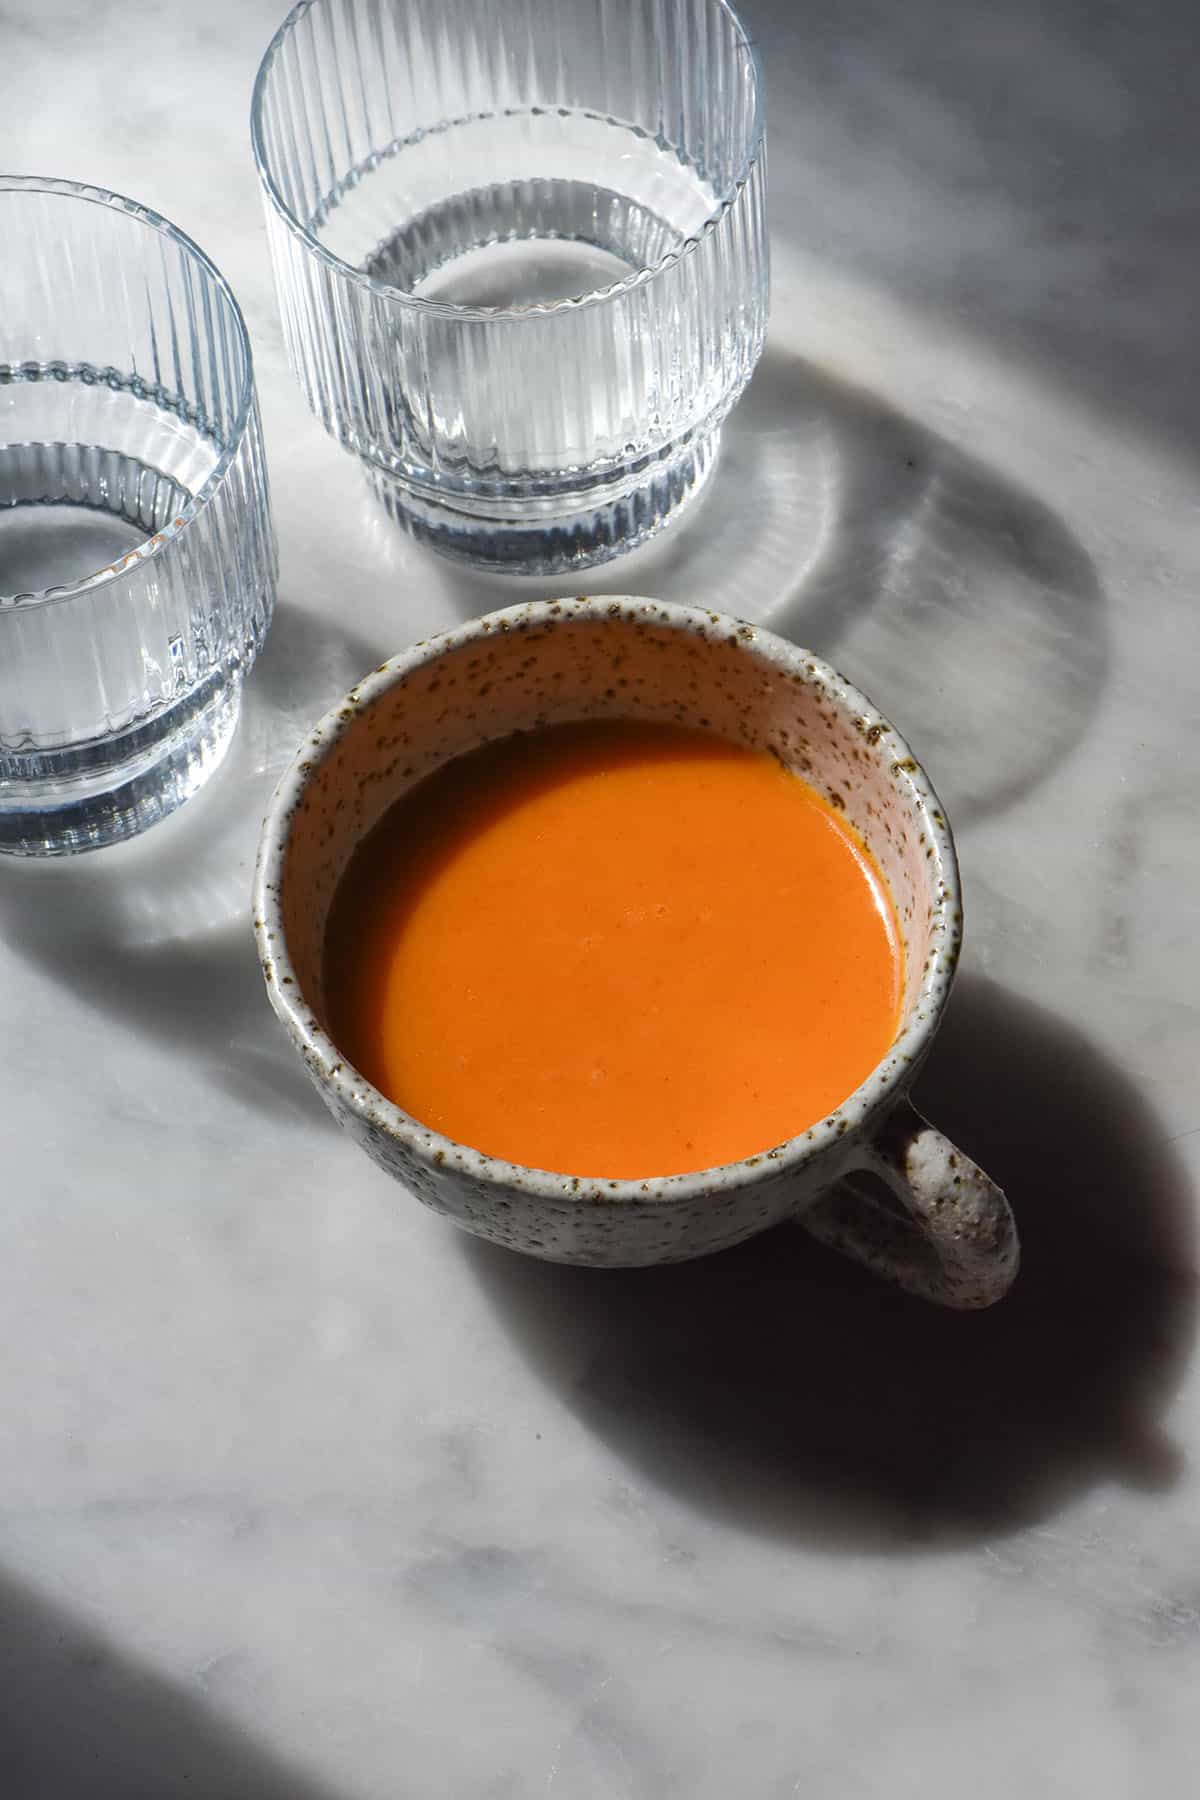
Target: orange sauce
{"points": [[614, 949]]}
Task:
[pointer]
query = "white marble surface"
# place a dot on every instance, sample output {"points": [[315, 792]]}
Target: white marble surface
{"points": [[303, 1496]]}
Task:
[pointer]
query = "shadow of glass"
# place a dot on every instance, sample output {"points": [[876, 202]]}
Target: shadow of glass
{"points": [[961, 597], [781, 1388], [80, 1721], [954, 597], [157, 931]]}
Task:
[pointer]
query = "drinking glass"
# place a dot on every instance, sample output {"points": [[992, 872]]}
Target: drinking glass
{"points": [[520, 253], [137, 560]]}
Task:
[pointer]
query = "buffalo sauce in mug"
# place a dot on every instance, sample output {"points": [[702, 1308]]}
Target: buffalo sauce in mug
{"points": [[614, 949]]}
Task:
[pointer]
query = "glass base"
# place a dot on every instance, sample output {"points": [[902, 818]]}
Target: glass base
{"points": [[85, 797], [547, 536]]}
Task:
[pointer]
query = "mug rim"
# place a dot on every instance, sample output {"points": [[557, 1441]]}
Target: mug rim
{"points": [[881, 1088]]}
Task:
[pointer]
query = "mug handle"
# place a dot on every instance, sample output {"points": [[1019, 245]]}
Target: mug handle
{"points": [[951, 1239]]}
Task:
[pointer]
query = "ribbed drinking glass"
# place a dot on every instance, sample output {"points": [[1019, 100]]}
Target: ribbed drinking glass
{"points": [[137, 561], [520, 253]]}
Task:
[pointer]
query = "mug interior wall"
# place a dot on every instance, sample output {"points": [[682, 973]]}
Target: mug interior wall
{"points": [[631, 664]]}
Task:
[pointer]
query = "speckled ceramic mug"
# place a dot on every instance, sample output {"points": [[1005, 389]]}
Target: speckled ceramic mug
{"points": [[873, 1178]]}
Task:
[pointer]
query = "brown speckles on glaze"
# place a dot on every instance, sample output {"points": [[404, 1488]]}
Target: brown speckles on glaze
{"points": [[556, 660]]}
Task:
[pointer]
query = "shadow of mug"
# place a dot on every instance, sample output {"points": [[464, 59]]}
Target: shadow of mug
{"points": [[953, 596], [779, 1387]]}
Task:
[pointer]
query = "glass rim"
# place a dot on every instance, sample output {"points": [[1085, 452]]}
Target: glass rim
{"points": [[159, 541], [448, 309]]}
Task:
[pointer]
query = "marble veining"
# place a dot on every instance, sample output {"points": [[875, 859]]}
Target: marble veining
{"points": [[306, 1496]]}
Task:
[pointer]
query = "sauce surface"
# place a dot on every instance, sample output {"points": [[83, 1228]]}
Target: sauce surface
{"points": [[614, 950]]}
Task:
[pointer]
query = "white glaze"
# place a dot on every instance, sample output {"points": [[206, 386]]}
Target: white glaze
{"points": [[546, 662]]}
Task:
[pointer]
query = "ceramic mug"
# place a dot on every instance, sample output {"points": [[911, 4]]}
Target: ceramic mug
{"points": [[873, 1178]]}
